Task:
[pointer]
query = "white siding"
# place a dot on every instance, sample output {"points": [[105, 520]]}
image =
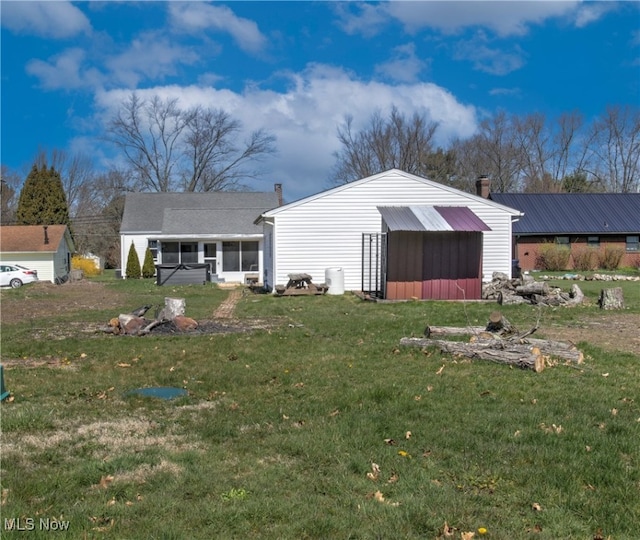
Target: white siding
{"points": [[326, 230], [139, 241], [42, 262]]}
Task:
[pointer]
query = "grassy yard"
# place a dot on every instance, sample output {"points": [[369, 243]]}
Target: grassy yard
{"points": [[314, 425]]}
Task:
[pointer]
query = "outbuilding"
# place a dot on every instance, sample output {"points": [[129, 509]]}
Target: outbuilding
{"points": [[45, 248], [393, 235]]}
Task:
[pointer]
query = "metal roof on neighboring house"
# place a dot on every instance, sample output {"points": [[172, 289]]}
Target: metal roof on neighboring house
{"points": [[220, 212], [431, 218], [574, 213]]}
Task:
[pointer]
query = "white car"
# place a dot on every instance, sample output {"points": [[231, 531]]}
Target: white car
{"points": [[15, 275]]}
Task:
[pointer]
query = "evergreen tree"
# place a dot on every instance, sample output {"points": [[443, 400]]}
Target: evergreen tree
{"points": [[42, 199], [148, 267], [133, 263]]}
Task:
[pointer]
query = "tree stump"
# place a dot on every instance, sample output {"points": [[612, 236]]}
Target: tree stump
{"points": [[498, 324], [611, 298], [173, 307]]}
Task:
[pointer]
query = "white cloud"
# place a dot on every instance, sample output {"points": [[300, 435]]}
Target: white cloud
{"points": [[404, 66], [504, 18], [368, 20], [64, 71], [149, 57], [45, 19], [197, 16], [304, 118], [496, 61], [505, 92], [590, 12]]}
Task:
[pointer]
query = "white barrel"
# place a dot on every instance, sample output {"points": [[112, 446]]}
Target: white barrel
{"points": [[334, 278]]}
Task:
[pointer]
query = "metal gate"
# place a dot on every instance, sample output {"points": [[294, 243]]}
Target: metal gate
{"points": [[374, 264]]}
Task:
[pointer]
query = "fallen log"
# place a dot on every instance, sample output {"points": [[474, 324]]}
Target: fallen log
{"points": [[452, 330], [506, 299], [534, 287], [563, 350], [523, 356]]}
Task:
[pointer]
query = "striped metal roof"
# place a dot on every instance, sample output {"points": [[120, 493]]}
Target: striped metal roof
{"points": [[431, 218], [574, 213]]}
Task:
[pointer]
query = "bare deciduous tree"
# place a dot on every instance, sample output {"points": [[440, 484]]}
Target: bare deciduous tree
{"points": [[9, 190], [100, 209], [492, 151], [170, 148], [396, 142], [613, 150]]}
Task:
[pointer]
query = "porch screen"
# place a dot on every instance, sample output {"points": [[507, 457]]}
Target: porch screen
{"points": [[179, 252], [240, 256]]}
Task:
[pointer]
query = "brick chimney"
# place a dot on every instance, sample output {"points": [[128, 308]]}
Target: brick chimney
{"points": [[46, 235], [483, 185], [278, 190]]}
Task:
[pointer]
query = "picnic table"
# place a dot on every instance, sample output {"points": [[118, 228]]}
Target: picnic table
{"points": [[300, 284]]}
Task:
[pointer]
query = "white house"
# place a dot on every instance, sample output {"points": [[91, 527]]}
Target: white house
{"points": [[216, 228], [45, 248], [344, 228]]}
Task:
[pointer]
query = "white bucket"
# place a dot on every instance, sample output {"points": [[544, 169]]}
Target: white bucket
{"points": [[334, 278]]}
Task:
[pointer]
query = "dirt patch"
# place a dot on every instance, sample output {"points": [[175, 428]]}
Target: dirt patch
{"points": [[611, 331], [44, 298]]}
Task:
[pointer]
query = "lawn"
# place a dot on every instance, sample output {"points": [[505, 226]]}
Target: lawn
{"points": [[313, 423]]}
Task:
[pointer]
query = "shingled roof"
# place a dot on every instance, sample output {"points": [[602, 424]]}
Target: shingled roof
{"points": [[31, 238], [574, 213], [220, 212]]}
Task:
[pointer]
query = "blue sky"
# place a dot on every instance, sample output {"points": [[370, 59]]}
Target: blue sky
{"points": [[297, 68]]}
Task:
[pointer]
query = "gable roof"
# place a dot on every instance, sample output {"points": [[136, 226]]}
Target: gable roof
{"points": [[219, 212], [31, 238], [390, 172], [432, 218], [574, 213]]}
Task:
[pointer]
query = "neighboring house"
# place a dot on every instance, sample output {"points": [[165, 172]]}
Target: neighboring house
{"points": [[214, 228], [45, 248], [577, 220], [394, 235]]}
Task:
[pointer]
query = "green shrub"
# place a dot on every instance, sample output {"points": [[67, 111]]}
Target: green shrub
{"points": [[584, 258], [148, 267], [610, 257], [553, 257], [88, 266], [133, 263]]}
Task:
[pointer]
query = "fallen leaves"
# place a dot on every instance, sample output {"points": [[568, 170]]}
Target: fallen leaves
{"points": [[378, 496], [375, 472], [551, 429]]}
